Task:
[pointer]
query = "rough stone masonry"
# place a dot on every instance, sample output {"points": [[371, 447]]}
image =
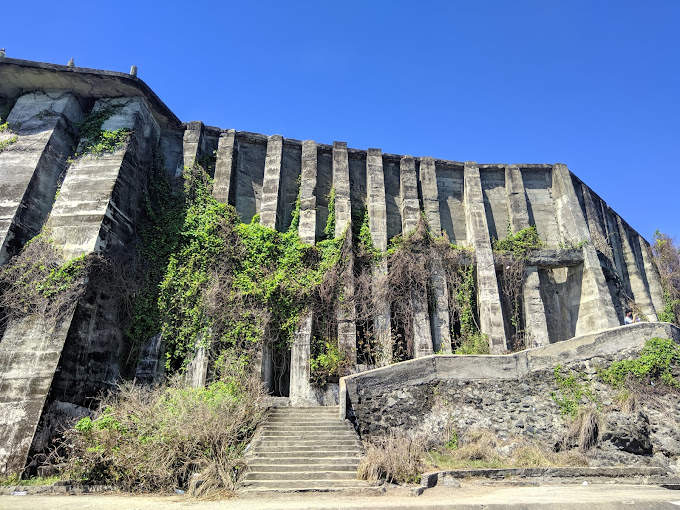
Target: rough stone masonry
{"points": [[593, 263]]}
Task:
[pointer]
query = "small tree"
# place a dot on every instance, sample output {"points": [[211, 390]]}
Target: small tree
{"points": [[667, 257]]}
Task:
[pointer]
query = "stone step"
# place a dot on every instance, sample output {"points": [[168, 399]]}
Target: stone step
{"points": [[300, 475], [309, 434], [303, 427], [299, 453], [296, 443], [269, 467], [303, 485]]}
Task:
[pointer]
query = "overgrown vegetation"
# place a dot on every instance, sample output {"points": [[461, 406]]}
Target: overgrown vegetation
{"points": [[171, 437], [9, 137], [657, 364], [482, 449], [392, 458], [571, 392], [667, 257], [40, 282], [96, 141], [511, 255]]}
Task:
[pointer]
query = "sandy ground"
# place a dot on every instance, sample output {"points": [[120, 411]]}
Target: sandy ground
{"points": [[591, 497]]}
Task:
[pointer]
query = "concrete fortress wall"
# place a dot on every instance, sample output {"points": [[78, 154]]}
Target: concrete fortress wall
{"points": [[592, 265]]}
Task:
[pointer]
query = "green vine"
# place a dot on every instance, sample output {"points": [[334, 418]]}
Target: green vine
{"points": [[96, 141], [329, 229], [521, 243], [571, 393]]}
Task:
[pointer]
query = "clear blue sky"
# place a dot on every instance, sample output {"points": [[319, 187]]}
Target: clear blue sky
{"points": [[593, 84]]}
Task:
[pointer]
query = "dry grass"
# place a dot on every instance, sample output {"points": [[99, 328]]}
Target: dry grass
{"points": [[482, 449], [169, 437], [583, 431], [392, 458]]}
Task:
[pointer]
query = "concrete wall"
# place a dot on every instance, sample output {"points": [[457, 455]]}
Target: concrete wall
{"points": [[510, 394], [98, 206]]}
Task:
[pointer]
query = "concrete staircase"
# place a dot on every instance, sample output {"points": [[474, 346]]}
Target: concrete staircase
{"points": [[303, 449]]}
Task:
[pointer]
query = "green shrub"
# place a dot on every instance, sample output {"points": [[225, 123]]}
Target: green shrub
{"points": [[146, 439], [655, 365]]}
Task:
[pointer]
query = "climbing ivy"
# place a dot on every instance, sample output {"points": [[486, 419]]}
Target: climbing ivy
{"points": [[571, 392], [96, 141], [329, 229]]}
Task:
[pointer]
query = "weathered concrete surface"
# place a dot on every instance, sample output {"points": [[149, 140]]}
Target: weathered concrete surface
{"points": [[518, 214], [29, 353], [17, 76], [95, 210], [30, 169], [223, 186], [193, 145], [343, 205], [488, 297], [377, 222], [300, 354], [269, 208], [307, 227], [441, 333], [595, 308], [410, 216], [98, 202], [638, 286]]}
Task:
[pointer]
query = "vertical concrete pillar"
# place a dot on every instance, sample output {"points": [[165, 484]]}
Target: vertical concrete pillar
{"points": [[535, 323], [441, 327], [300, 354], [346, 314], [223, 186], [488, 296], [307, 227], [595, 309], [518, 214], [377, 223], [410, 216], [343, 207], [30, 168], [269, 208], [301, 349], [652, 273], [87, 216], [637, 284], [192, 144]]}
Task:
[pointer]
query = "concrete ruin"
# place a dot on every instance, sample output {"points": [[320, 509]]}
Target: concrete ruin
{"points": [[592, 267]]}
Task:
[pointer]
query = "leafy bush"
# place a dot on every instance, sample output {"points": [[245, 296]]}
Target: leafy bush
{"points": [[655, 365], [667, 257], [163, 438], [474, 343]]}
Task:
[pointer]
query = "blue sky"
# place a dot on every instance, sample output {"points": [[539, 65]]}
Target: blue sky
{"points": [[593, 84]]}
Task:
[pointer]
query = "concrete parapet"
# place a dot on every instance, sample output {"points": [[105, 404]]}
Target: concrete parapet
{"points": [[488, 297], [269, 208], [223, 187]]}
